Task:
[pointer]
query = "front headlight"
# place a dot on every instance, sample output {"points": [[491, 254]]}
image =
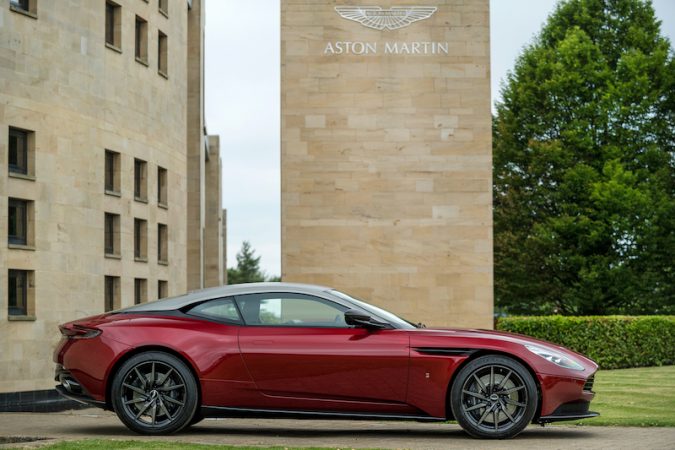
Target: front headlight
{"points": [[555, 357]]}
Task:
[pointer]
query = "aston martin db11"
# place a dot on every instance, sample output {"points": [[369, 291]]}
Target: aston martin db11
{"points": [[292, 350]]}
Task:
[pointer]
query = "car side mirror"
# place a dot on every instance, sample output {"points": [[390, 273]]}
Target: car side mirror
{"points": [[361, 319]]}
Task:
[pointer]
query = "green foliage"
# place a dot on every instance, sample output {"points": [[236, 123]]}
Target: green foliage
{"points": [[248, 267], [614, 342], [584, 166]]}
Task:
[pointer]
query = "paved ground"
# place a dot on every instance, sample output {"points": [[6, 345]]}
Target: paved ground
{"points": [[94, 423]]}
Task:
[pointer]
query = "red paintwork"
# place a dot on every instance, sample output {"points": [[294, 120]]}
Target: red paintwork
{"points": [[318, 369]]}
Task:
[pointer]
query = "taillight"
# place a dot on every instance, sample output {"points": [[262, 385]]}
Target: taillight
{"points": [[72, 331]]}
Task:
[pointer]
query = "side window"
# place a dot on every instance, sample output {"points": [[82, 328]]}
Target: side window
{"points": [[291, 310], [221, 309]]}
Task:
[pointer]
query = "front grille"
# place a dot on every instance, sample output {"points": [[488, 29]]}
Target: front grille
{"points": [[588, 385]]}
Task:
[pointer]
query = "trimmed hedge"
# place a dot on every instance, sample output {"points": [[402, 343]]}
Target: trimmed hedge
{"points": [[614, 342]]}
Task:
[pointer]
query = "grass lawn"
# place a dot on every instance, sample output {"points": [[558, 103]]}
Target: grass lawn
{"points": [[643, 397], [109, 444]]}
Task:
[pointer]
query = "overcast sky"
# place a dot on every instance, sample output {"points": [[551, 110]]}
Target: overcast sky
{"points": [[242, 102]]}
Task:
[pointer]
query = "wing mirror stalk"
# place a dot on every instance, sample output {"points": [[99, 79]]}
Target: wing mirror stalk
{"points": [[363, 320]]}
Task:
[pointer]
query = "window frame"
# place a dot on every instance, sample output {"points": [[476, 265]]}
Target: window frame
{"points": [[113, 26], [112, 170], [162, 243], [141, 40], [290, 295], [140, 290], [140, 239], [215, 319], [111, 299], [162, 187], [140, 180], [22, 309], [111, 220], [163, 7], [162, 54], [24, 135], [21, 239]]}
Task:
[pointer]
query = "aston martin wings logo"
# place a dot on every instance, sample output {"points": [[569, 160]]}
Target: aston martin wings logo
{"points": [[392, 19]]}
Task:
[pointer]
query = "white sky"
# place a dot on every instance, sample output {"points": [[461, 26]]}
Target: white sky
{"points": [[242, 102]]}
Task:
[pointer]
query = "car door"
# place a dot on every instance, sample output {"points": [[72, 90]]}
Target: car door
{"points": [[299, 346]]}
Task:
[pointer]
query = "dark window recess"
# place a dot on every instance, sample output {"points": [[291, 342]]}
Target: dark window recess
{"points": [[162, 243], [162, 186], [140, 238], [113, 24], [110, 293], [139, 290], [140, 190], [111, 160], [141, 48], [18, 292], [110, 229], [18, 151], [21, 4], [162, 54], [17, 232], [164, 6], [162, 289]]}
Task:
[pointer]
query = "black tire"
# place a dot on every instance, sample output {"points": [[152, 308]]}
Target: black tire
{"points": [[198, 417], [154, 393], [494, 397]]}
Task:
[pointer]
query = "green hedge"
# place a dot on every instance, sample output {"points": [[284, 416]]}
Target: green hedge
{"points": [[614, 342]]}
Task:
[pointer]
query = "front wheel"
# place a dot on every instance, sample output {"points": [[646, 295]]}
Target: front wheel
{"points": [[494, 397], [154, 393]]}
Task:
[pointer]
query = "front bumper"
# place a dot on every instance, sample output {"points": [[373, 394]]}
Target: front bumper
{"points": [[565, 398]]}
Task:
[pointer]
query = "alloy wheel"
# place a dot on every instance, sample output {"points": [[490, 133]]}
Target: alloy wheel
{"points": [[153, 393], [494, 398]]}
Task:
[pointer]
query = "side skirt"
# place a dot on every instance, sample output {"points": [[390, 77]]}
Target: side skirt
{"points": [[243, 413]]}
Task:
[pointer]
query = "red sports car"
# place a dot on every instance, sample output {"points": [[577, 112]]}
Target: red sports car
{"points": [[279, 350]]}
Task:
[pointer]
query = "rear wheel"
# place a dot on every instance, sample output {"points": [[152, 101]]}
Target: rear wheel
{"points": [[154, 393], [494, 397]]}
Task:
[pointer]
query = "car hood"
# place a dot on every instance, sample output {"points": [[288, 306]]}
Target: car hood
{"points": [[476, 339]]}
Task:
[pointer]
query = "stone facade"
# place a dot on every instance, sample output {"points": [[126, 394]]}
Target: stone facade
{"points": [[386, 158], [78, 97]]}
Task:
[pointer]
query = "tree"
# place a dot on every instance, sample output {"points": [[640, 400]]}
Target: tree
{"points": [[248, 267], [584, 179]]}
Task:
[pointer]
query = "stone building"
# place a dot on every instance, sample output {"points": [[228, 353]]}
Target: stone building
{"points": [[110, 188], [386, 154]]}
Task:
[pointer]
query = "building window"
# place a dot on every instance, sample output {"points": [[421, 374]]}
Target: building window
{"points": [[20, 221], [112, 293], [162, 289], [113, 25], [21, 151], [162, 197], [162, 243], [141, 240], [164, 7], [162, 54], [28, 7], [20, 292], [112, 235], [140, 180], [112, 172], [141, 40], [140, 290]]}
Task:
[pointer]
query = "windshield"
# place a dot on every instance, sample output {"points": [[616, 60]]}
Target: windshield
{"points": [[386, 315]]}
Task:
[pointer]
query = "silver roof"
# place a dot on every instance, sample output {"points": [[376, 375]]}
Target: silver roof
{"points": [[173, 303]]}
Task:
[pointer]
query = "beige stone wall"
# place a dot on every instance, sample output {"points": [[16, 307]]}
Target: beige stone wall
{"points": [[213, 229], [386, 160], [58, 78]]}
